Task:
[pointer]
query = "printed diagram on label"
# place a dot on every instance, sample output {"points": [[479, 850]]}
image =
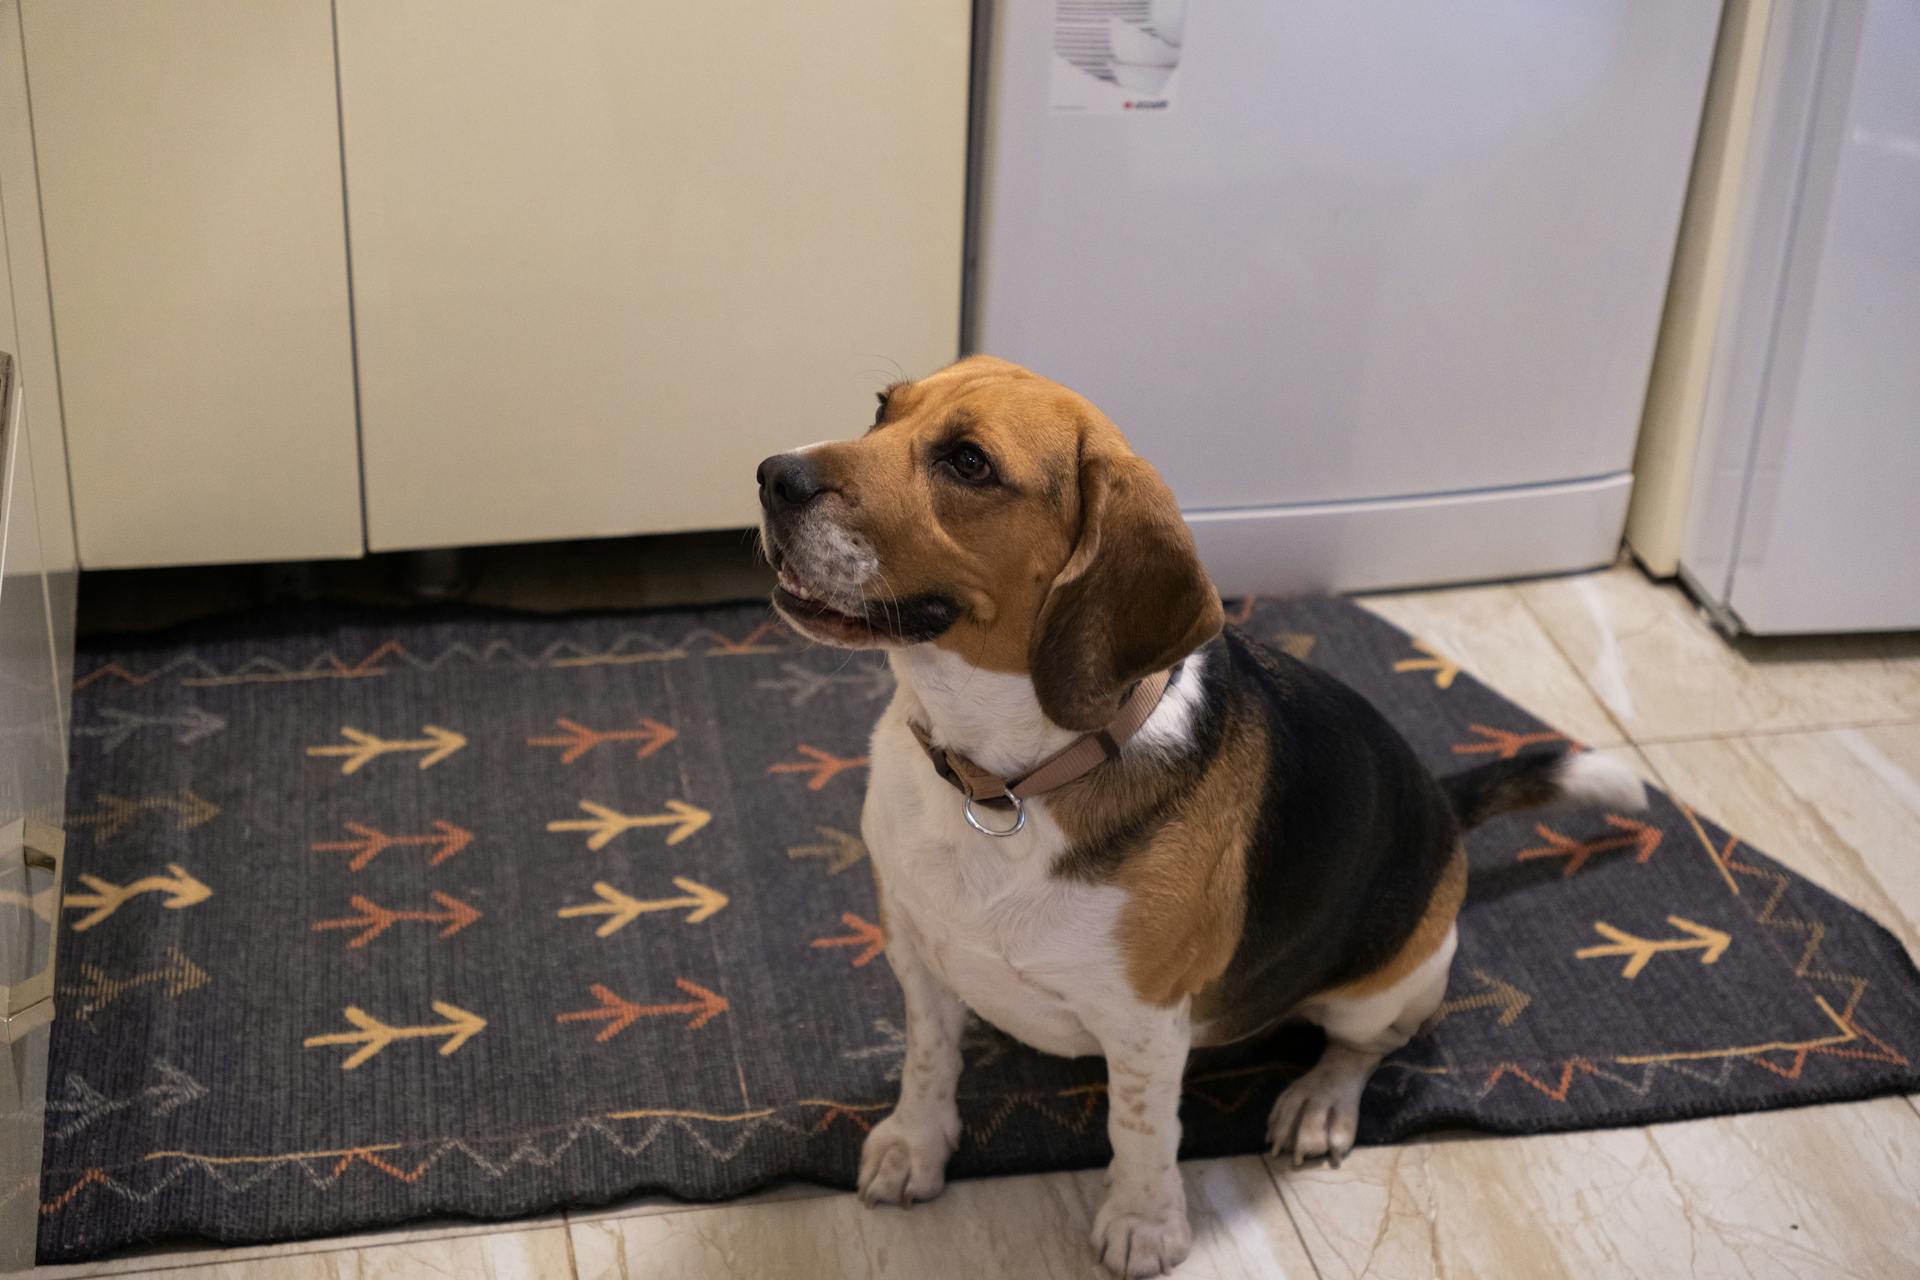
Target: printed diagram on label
{"points": [[1116, 56]]}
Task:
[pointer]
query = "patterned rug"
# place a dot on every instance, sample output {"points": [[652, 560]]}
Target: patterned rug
{"points": [[372, 916]]}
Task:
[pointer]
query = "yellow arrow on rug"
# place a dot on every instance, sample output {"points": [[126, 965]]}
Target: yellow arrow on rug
{"points": [[622, 910], [1710, 943], [1444, 669], [685, 819], [375, 1035], [182, 890], [437, 743]]}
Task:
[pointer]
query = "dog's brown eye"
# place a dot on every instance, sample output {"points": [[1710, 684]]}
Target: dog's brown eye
{"points": [[881, 412], [970, 464]]}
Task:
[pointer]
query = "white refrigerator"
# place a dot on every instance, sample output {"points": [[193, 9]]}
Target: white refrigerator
{"points": [[1375, 284], [1803, 513]]}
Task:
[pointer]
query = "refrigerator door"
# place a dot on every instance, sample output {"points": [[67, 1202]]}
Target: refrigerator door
{"points": [[1366, 250], [1805, 518]]}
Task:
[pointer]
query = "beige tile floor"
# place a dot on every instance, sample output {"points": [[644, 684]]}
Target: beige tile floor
{"points": [[1809, 749]]}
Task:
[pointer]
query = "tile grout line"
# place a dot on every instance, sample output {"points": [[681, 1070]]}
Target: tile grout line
{"points": [[313, 1246], [1862, 864], [1566, 658], [573, 1262], [1779, 731], [1273, 1180], [1903, 718]]}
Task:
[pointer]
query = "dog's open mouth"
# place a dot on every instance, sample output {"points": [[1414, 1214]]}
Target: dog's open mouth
{"points": [[819, 619], [910, 620]]}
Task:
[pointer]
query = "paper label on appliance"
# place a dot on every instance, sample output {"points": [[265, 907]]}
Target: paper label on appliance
{"points": [[1116, 57]]}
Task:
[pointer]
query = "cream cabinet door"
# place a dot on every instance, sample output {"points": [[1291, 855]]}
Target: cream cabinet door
{"points": [[608, 255], [189, 161]]}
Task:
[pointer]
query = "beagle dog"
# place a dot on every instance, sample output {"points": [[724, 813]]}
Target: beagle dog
{"points": [[1096, 818]]}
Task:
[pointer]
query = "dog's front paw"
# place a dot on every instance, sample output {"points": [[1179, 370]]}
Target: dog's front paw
{"points": [[1143, 1231], [904, 1160]]}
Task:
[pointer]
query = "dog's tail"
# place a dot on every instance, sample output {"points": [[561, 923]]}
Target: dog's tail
{"points": [[1542, 778]]}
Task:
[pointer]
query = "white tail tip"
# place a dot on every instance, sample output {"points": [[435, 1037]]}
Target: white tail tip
{"points": [[1586, 777]]}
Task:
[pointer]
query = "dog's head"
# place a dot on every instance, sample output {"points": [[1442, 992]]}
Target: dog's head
{"points": [[999, 515]]}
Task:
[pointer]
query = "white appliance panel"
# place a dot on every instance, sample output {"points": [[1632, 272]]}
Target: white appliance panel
{"points": [[1381, 254], [1371, 249]]}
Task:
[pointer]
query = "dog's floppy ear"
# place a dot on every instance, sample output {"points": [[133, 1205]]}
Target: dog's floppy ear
{"points": [[1132, 599]]}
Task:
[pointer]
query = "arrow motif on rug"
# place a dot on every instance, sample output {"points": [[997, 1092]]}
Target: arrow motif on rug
{"points": [[86, 1104], [114, 814], [1295, 644], [1510, 1000], [980, 1045], [1503, 744], [193, 724], [445, 840], [1710, 943], [839, 852], [375, 919], [622, 910], [97, 988], [578, 739], [182, 890], [620, 1014], [1444, 669], [867, 679], [823, 767], [726, 647], [1639, 836], [435, 743], [374, 1035], [685, 819], [865, 935]]}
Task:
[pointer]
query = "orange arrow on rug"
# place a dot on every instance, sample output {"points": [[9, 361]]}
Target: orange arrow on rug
{"points": [[376, 920], [1639, 836], [1504, 743], [824, 767], [864, 934], [578, 739], [619, 1014], [446, 840]]}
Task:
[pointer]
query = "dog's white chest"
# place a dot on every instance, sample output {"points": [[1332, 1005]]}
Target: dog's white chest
{"points": [[1028, 952]]}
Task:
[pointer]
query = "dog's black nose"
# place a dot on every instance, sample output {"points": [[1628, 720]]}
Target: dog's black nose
{"points": [[787, 483]]}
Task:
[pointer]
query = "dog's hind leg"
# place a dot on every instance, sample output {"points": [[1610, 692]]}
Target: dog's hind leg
{"points": [[1319, 1114]]}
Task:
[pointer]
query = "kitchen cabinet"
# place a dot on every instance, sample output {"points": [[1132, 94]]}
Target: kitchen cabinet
{"points": [[189, 170], [514, 272], [608, 256]]}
